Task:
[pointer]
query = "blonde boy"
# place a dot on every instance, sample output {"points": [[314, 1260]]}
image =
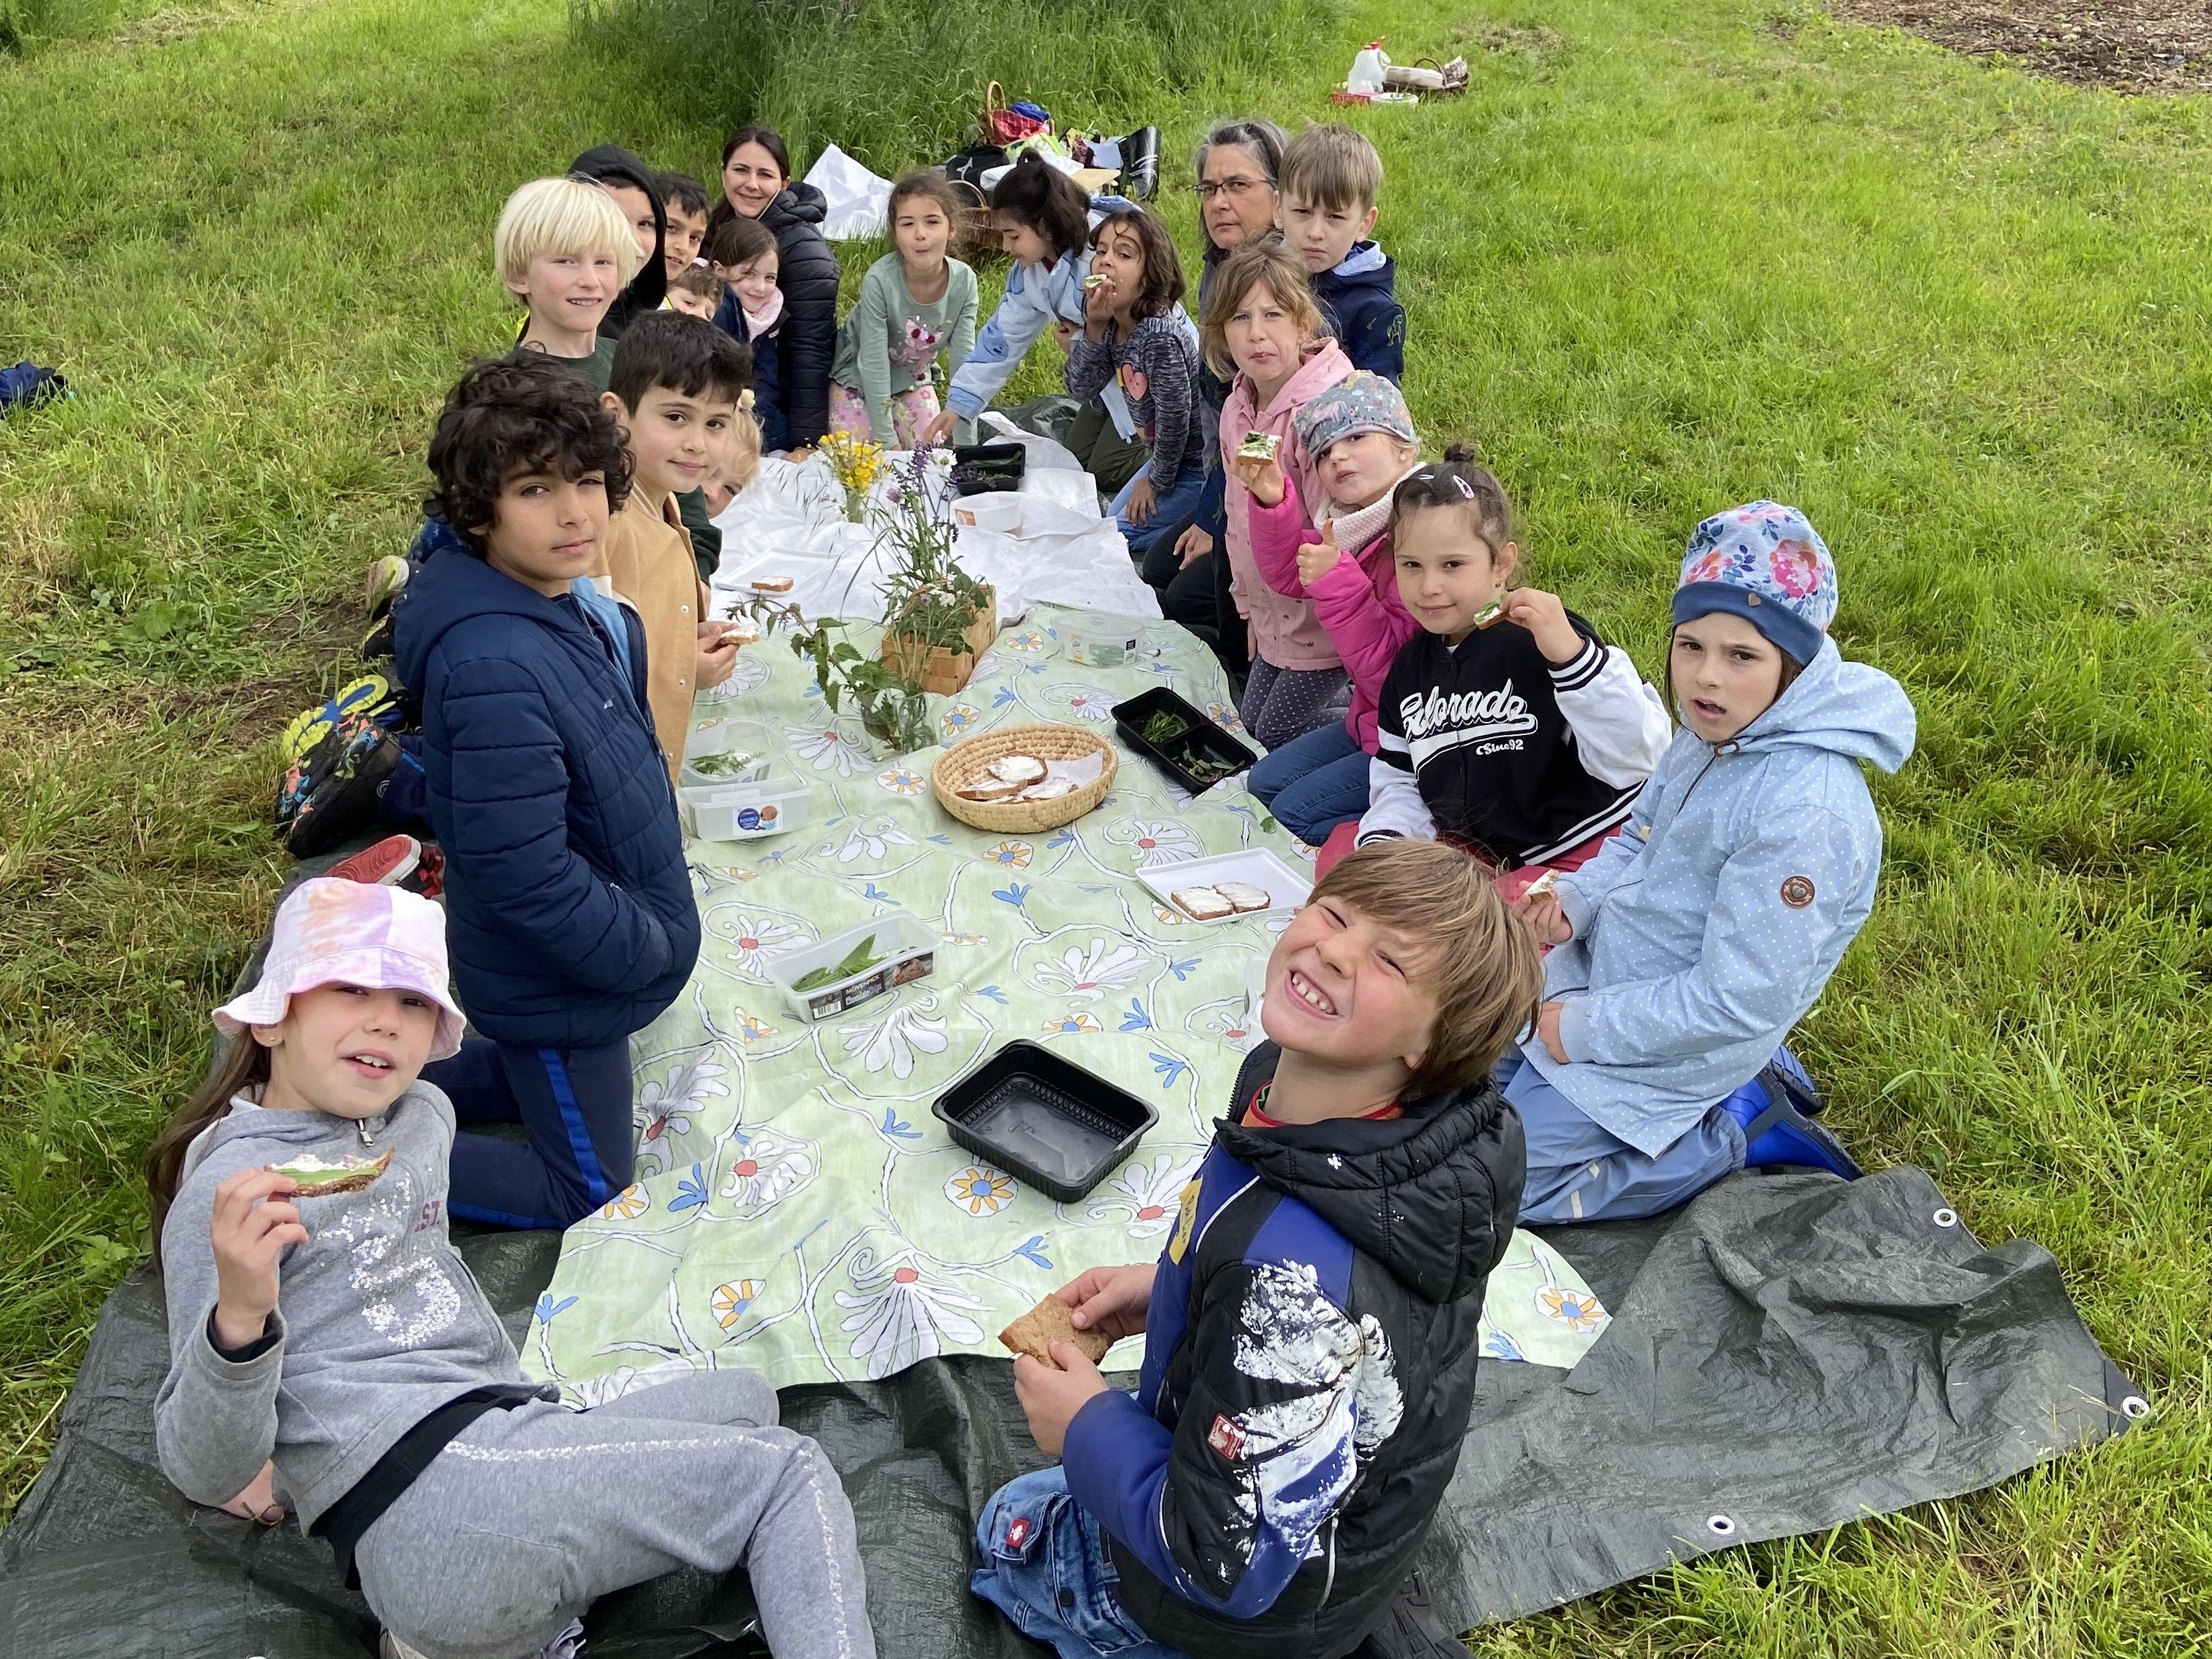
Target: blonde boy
{"points": [[1331, 178], [563, 247]]}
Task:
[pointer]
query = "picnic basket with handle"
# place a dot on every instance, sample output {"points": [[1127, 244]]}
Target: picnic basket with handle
{"points": [[968, 762]]}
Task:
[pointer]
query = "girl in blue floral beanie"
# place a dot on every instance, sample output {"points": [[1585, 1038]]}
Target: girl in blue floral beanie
{"points": [[1688, 949]]}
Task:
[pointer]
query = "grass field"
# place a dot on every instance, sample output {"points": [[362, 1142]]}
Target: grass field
{"points": [[1667, 255]]}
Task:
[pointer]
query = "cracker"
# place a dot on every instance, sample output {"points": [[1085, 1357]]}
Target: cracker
{"points": [[1052, 1320]]}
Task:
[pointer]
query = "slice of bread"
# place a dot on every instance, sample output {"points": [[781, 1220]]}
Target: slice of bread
{"points": [[1052, 1320], [1244, 896], [311, 1177], [1203, 903]]}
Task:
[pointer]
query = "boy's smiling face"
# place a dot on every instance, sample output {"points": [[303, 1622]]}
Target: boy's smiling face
{"points": [[676, 440], [546, 530], [637, 208], [1347, 992], [1322, 236], [686, 231], [570, 292]]}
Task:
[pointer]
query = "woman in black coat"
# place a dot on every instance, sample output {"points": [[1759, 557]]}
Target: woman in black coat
{"points": [[756, 183]]}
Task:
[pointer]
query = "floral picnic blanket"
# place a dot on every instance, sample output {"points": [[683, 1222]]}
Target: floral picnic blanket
{"points": [[798, 1210]]}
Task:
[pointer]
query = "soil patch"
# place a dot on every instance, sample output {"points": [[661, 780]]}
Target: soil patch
{"points": [[2130, 45]]}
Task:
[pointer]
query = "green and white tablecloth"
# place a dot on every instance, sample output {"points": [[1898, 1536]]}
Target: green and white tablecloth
{"points": [[798, 1210]]}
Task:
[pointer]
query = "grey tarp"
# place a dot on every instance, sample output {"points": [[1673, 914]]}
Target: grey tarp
{"points": [[1787, 1352]]}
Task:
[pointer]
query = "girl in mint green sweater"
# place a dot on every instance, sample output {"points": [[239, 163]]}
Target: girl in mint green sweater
{"points": [[916, 304]]}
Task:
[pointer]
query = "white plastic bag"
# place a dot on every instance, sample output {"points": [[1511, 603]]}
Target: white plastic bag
{"points": [[859, 203]]}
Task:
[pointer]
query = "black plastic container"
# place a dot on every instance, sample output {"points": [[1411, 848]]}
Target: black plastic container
{"points": [[978, 468], [1044, 1120], [1203, 737]]}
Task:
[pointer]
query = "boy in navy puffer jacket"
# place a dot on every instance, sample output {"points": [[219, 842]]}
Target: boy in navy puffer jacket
{"points": [[568, 907], [1331, 178]]}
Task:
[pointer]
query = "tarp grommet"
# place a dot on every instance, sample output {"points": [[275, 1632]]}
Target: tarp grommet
{"points": [[2134, 1408], [1945, 1217], [1721, 1526]]}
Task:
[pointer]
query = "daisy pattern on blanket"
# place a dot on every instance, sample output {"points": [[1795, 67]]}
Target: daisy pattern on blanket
{"points": [[797, 1208]]}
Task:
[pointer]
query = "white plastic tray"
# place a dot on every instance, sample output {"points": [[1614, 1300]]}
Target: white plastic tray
{"points": [[1255, 866], [909, 950]]}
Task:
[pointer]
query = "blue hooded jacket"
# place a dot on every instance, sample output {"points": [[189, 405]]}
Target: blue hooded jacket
{"points": [[1708, 927], [1358, 301], [569, 910]]}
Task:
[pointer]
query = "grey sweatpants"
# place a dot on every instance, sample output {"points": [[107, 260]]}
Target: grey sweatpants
{"points": [[530, 1514]]}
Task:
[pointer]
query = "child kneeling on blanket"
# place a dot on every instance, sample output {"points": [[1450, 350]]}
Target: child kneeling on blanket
{"points": [[320, 1316], [572, 919], [1690, 945], [1310, 1330]]}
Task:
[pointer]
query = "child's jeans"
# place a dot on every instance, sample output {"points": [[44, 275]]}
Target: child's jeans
{"points": [[1171, 510], [1281, 705], [1581, 1171], [1313, 783], [574, 1105], [911, 410], [1045, 1566]]}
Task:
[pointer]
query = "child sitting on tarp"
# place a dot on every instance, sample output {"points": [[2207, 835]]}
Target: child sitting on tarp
{"points": [[1688, 948], [319, 1315], [1310, 1332]]}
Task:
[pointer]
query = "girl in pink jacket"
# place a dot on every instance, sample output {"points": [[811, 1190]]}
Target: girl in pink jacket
{"points": [[1360, 437], [1261, 324]]}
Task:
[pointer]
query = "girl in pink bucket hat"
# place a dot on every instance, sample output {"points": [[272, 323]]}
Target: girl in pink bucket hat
{"points": [[320, 1320]]}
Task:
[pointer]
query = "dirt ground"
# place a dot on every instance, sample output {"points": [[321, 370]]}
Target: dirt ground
{"points": [[2130, 45]]}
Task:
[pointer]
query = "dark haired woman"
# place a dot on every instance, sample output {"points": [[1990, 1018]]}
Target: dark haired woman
{"points": [[756, 183]]}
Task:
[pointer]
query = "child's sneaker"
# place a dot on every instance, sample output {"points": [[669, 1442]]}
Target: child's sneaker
{"points": [[342, 780], [396, 861], [370, 695], [386, 578]]}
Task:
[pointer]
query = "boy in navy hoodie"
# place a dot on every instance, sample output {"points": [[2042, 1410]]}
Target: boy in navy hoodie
{"points": [[568, 908], [1331, 178], [1310, 1330]]}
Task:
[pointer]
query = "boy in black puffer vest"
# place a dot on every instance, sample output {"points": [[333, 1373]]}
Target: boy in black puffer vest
{"points": [[1310, 1330], [569, 908]]}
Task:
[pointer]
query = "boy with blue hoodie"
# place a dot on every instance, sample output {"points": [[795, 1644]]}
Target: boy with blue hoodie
{"points": [[1688, 948], [1331, 178], [1311, 1329], [568, 907]]}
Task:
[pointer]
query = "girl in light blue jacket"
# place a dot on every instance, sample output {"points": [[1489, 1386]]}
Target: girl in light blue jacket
{"points": [[1689, 947], [1044, 220]]}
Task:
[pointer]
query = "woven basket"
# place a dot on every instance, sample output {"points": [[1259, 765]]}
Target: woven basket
{"points": [[964, 763]]}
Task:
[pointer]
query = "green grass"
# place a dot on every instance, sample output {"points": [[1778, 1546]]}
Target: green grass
{"points": [[1665, 256]]}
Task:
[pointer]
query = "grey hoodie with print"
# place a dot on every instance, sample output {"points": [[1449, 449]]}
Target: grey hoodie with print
{"points": [[378, 1323]]}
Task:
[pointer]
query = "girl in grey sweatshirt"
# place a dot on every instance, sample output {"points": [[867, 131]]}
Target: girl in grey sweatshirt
{"points": [[319, 1317]]}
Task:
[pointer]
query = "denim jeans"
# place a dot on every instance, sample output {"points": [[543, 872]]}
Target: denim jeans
{"points": [[1170, 511], [1044, 1565], [1313, 783], [1580, 1171]]}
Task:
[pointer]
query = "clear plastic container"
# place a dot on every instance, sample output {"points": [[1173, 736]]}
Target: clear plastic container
{"points": [[903, 949], [1097, 640], [768, 802]]}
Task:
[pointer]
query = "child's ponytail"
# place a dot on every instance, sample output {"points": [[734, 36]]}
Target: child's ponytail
{"points": [[241, 1066], [1458, 484]]}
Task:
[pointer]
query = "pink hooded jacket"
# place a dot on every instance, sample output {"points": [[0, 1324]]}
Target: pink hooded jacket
{"points": [[1286, 632], [1357, 602]]}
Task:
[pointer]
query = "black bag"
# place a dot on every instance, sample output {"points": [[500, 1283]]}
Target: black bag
{"points": [[978, 468]]}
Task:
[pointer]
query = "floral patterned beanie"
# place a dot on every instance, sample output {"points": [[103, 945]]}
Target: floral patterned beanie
{"points": [[1764, 562]]}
